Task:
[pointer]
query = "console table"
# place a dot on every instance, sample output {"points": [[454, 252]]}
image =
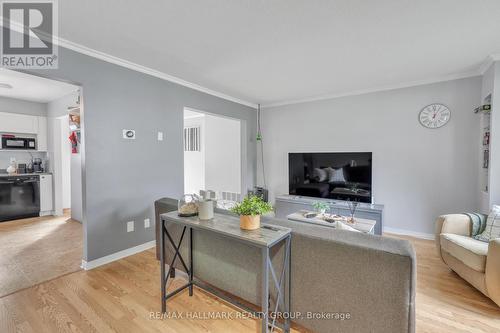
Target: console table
{"points": [[288, 204], [228, 226]]}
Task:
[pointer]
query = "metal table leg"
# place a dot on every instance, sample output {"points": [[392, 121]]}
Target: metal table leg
{"points": [[164, 277], [287, 288], [162, 268], [265, 289], [190, 261]]}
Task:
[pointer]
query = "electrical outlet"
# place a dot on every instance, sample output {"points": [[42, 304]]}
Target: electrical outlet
{"points": [[147, 223], [130, 226], [160, 136]]}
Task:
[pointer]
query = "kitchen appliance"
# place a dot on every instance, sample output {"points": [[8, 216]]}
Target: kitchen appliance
{"points": [[11, 142], [21, 168], [19, 197], [37, 165]]}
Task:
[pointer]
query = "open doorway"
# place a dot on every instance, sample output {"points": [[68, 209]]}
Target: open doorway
{"points": [[39, 239], [212, 154]]}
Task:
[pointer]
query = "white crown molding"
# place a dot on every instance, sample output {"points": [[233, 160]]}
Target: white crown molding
{"points": [[164, 76], [87, 265], [146, 70], [376, 89], [133, 66], [488, 62]]}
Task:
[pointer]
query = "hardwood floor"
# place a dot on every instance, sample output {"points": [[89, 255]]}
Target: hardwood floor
{"points": [[124, 296], [38, 249], [445, 302]]}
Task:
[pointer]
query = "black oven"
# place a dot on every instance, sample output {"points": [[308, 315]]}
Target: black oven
{"points": [[18, 143], [19, 197]]}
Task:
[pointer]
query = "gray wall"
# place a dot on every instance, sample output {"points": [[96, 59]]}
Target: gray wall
{"points": [[123, 177], [14, 105], [418, 173]]}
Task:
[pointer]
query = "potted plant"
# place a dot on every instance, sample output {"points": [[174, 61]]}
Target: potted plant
{"points": [[320, 206], [250, 210]]}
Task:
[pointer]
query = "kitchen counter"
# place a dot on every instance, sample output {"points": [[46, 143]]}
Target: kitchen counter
{"points": [[25, 174]]}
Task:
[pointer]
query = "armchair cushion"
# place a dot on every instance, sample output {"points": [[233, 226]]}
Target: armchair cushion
{"points": [[469, 251]]}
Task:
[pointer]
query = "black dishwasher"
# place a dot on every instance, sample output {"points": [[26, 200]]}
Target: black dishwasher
{"points": [[19, 197]]}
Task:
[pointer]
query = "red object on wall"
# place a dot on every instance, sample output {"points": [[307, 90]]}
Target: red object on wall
{"points": [[74, 143]]}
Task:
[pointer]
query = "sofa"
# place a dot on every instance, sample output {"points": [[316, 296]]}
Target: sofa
{"points": [[475, 261], [370, 277]]}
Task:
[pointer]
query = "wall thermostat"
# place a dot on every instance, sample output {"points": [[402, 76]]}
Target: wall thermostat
{"points": [[129, 134]]}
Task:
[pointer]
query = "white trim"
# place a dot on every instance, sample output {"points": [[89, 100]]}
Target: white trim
{"points": [[416, 234], [146, 70], [87, 265], [133, 66], [164, 76], [488, 62], [376, 89]]}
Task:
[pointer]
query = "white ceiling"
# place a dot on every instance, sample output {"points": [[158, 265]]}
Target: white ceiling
{"points": [[33, 88], [283, 50]]}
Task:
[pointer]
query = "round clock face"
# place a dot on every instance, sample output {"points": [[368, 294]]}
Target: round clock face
{"points": [[434, 116]]}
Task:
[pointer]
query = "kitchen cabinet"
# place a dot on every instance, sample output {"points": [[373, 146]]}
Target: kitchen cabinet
{"points": [[46, 201], [41, 136], [25, 124], [18, 123]]}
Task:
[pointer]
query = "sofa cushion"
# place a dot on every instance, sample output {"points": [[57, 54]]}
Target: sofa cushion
{"points": [[466, 249]]}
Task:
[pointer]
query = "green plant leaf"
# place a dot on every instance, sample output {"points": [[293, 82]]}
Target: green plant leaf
{"points": [[252, 205]]}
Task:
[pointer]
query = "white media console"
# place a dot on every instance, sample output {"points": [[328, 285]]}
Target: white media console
{"points": [[288, 204]]}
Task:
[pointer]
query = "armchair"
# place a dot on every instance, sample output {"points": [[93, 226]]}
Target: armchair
{"points": [[475, 261]]}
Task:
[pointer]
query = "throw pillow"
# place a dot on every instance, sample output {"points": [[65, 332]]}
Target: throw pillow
{"points": [[336, 175], [492, 229], [320, 174]]}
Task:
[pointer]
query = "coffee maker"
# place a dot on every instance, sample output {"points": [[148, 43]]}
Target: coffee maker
{"points": [[37, 165]]}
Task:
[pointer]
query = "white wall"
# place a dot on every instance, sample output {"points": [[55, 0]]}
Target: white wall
{"points": [[60, 152], [418, 173], [194, 161], [491, 84], [66, 161], [222, 154]]}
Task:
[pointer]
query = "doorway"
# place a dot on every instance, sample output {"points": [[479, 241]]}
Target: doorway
{"points": [[212, 154], [49, 243]]}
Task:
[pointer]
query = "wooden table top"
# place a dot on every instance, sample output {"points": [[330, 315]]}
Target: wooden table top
{"points": [[229, 226]]}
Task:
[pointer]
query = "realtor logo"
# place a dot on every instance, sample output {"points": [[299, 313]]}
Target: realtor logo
{"points": [[28, 31]]}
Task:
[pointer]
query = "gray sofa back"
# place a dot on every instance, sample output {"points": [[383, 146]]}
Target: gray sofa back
{"points": [[372, 278]]}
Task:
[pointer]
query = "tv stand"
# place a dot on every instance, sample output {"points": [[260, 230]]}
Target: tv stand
{"points": [[288, 204]]}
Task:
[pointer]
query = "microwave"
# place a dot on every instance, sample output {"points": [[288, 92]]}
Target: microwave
{"points": [[18, 143]]}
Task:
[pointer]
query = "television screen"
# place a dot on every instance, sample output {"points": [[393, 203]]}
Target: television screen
{"points": [[342, 176]]}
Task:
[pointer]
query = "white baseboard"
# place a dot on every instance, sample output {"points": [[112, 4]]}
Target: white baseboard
{"points": [[86, 265], [416, 234]]}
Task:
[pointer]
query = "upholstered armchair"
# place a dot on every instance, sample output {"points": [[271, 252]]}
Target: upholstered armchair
{"points": [[475, 261]]}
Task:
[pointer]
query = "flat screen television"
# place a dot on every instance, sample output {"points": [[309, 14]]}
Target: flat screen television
{"points": [[341, 176]]}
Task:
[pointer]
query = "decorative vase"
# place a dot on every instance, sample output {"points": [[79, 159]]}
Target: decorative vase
{"points": [[188, 205], [249, 222], [206, 209]]}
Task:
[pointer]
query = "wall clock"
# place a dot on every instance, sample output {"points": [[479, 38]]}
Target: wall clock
{"points": [[434, 115]]}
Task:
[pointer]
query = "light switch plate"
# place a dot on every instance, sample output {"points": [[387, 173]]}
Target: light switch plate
{"points": [[130, 226], [147, 223], [128, 134], [160, 136]]}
